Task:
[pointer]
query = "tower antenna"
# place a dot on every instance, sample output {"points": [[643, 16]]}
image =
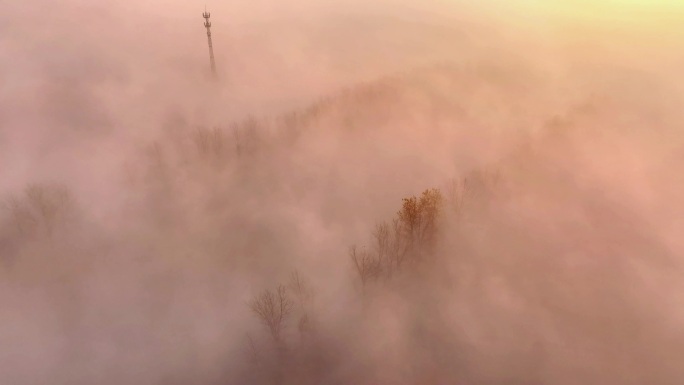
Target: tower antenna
{"points": [[207, 24]]}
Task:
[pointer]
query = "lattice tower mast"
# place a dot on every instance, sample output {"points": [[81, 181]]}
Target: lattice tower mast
{"points": [[207, 24]]}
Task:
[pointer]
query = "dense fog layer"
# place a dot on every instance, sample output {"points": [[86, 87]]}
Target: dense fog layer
{"points": [[389, 193]]}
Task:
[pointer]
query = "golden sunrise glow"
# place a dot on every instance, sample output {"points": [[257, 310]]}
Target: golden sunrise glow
{"points": [[628, 23], [603, 10]]}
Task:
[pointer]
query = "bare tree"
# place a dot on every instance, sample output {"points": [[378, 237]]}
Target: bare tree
{"points": [[237, 139], [383, 243], [253, 351], [273, 308], [472, 189], [456, 195], [480, 183], [252, 129], [304, 294], [390, 246], [209, 141], [301, 289], [21, 215], [247, 136], [367, 265], [43, 205]]}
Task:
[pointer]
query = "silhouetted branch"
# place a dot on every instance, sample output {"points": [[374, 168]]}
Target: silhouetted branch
{"points": [[272, 308]]}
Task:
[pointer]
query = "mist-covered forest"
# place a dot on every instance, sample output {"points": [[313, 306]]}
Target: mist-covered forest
{"points": [[394, 193]]}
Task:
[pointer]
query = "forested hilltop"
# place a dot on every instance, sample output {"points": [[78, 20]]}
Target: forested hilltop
{"points": [[456, 223]]}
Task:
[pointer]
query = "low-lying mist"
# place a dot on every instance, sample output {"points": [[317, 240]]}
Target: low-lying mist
{"points": [[395, 193]]}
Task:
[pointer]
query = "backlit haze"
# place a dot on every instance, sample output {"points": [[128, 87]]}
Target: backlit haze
{"points": [[146, 207]]}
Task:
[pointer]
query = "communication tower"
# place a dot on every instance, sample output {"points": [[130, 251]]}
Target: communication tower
{"points": [[207, 24]]}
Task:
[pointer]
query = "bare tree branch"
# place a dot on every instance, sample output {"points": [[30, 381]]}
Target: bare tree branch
{"points": [[367, 266], [272, 308]]}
